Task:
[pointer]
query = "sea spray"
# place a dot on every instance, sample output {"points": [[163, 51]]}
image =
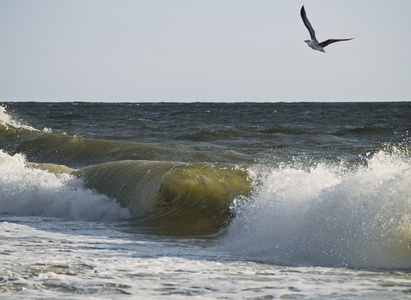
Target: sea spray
{"points": [[28, 191], [329, 216]]}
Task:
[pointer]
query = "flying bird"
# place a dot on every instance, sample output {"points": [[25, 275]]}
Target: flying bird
{"points": [[313, 43]]}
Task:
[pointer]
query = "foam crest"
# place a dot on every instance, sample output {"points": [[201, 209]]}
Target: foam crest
{"points": [[330, 216], [7, 120], [27, 191], [4, 117]]}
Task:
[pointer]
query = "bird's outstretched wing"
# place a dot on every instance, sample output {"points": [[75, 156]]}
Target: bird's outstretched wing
{"points": [[330, 41], [307, 23]]}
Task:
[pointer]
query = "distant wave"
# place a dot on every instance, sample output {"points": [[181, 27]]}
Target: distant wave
{"points": [[75, 151], [370, 128]]}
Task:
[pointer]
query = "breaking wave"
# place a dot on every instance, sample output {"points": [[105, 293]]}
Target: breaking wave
{"points": [[27, 191], [329, 215], [169, 197]]}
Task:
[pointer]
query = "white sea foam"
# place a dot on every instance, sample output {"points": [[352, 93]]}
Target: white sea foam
{"points": [[4, 117], [49, 259], [327, 216], [8, 120], [32, 192]]}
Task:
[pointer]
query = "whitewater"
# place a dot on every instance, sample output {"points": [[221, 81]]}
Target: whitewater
{"points": [[104, 201]]}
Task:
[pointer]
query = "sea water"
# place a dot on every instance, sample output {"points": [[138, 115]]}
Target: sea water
{"points": [[205, 200]]}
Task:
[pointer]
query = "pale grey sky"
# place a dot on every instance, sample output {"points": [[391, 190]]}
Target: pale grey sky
{"points": [[203, 50]]}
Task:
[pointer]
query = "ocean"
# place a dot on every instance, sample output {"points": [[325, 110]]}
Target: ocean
{"points": [[205, 200]]}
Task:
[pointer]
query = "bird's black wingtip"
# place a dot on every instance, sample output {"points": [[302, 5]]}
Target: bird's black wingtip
{"points": [[302, 11]]}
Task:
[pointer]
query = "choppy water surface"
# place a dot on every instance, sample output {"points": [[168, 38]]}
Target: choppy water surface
{"points": [[278, 200]]}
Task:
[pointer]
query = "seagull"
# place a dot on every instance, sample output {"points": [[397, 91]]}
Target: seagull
{"points": [[313, 43]]}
